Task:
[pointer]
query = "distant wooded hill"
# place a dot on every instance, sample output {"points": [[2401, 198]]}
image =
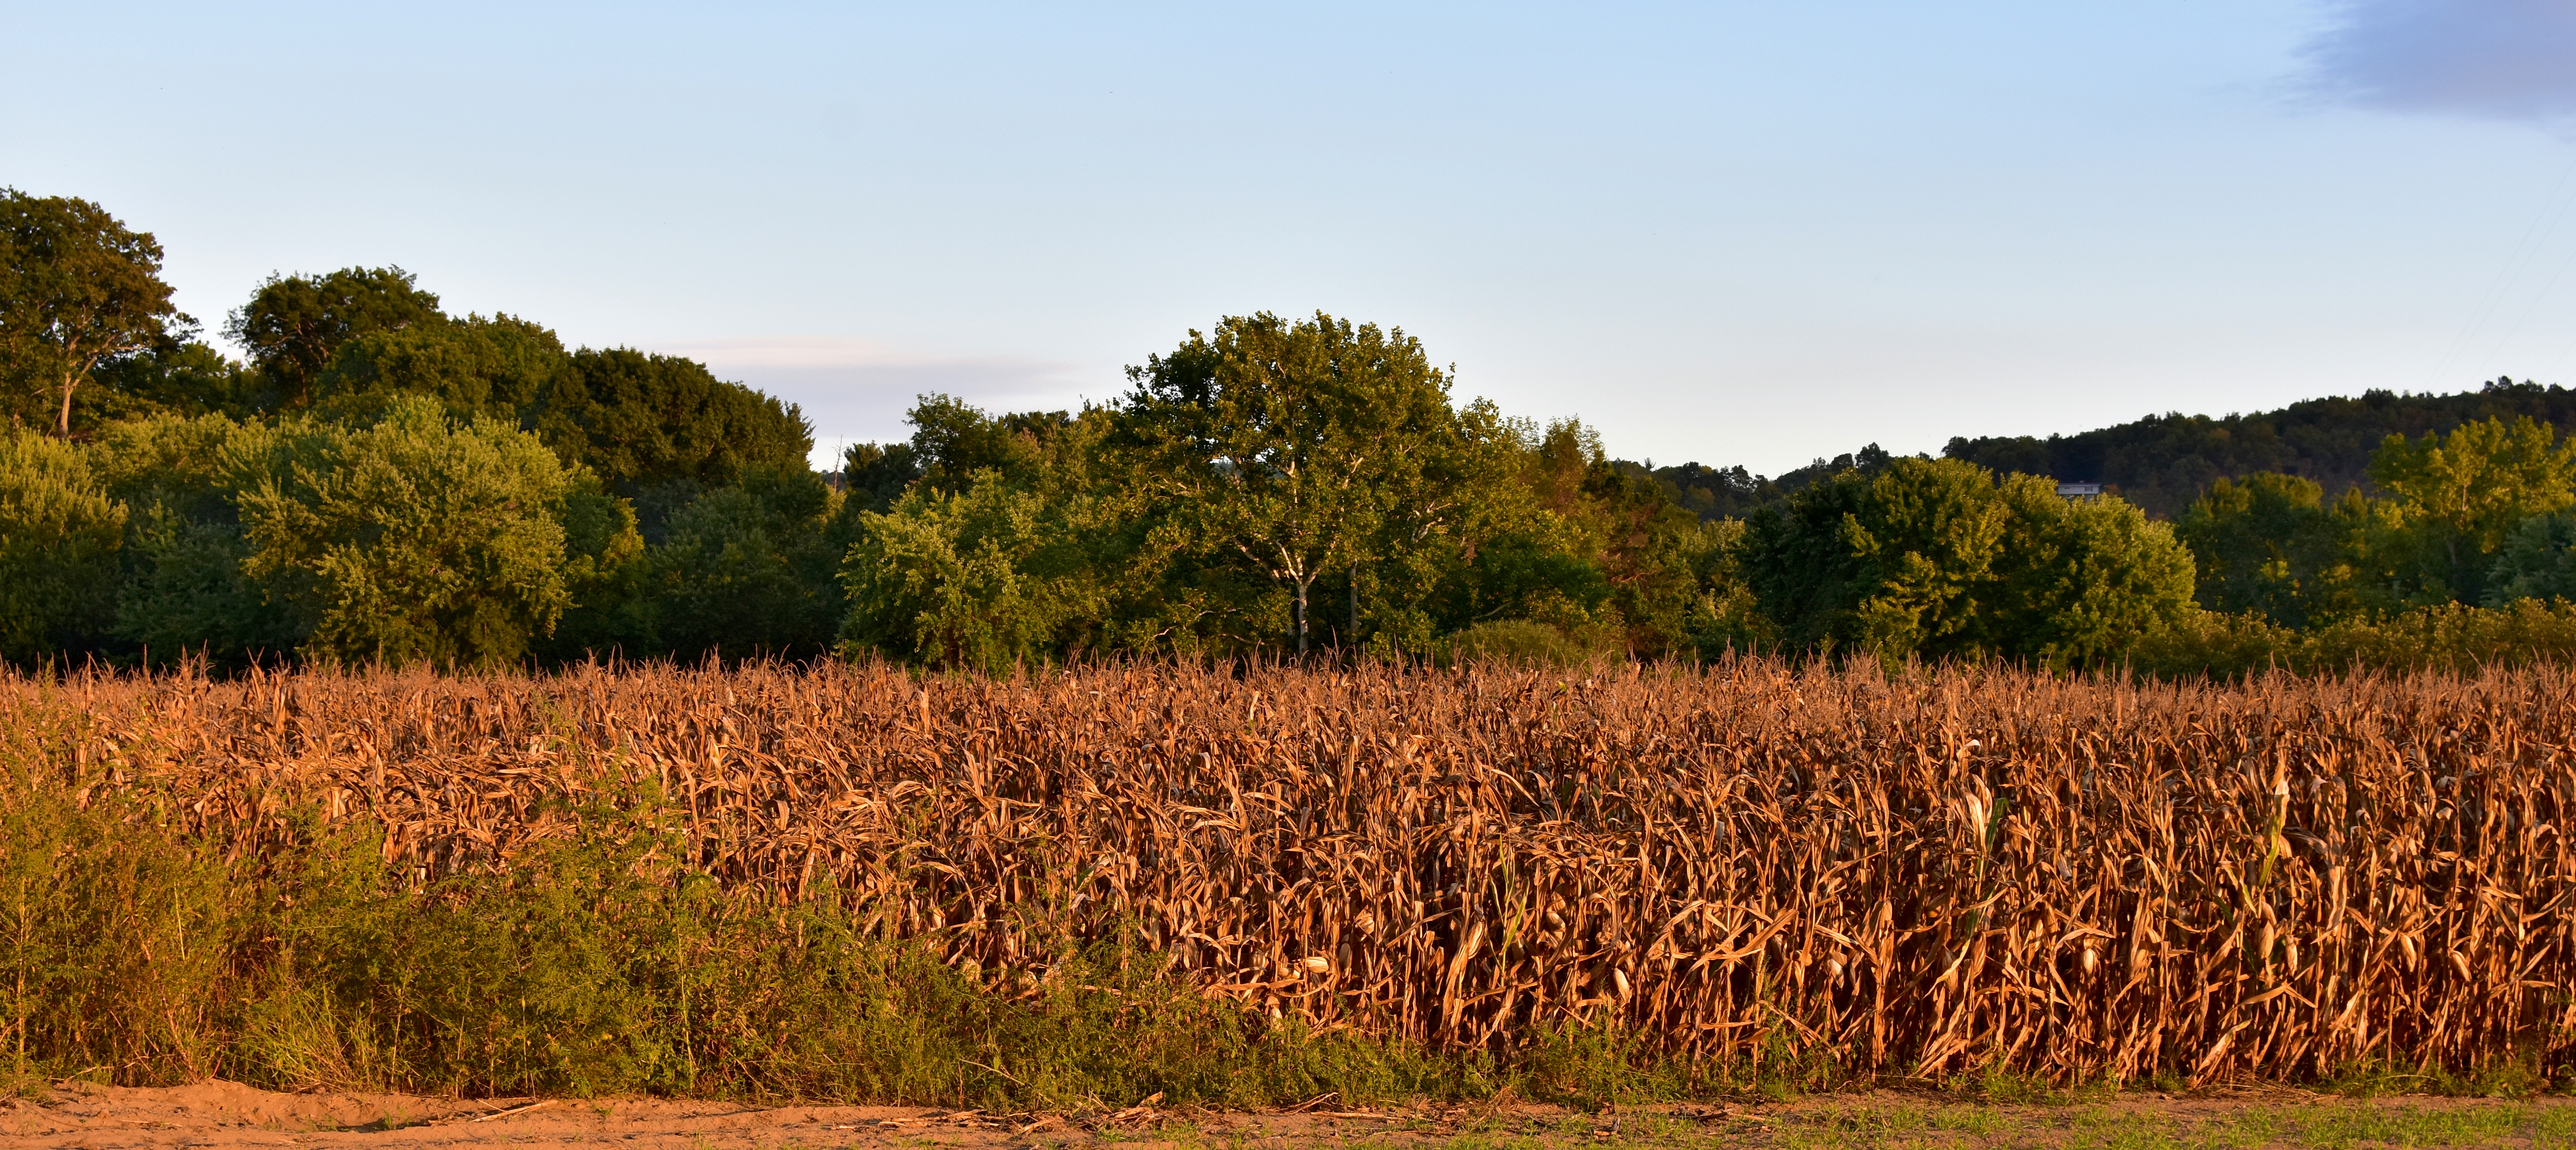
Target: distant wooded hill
{"points": [[2162, 462]]}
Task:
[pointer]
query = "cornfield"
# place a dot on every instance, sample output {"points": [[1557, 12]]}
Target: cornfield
{"points": [[1928, 873]]}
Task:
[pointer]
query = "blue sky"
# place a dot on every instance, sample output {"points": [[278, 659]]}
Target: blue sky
{"points": [[1735, 232]]}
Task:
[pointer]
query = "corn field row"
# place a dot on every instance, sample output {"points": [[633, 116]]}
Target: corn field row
{"points": [[1930, 873]]}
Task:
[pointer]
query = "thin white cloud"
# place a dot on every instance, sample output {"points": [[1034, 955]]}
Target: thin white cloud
{"points": [[2496, 59], [855, 390]]}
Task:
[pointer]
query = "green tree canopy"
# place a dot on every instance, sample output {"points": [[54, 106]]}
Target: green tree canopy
{"points": [[1932, 558], [177, 376], [750, 569], [974, 541], [77, 289], [2162, 462], [1890, 563], [1548, 529], [636, 420], [986, 578], [500, 368], [2458, 496], [2078, 581], [417, 536], [640, 419], [184, 588], [294, 325], [2537, 561], [954, 442], [59, 534], [1297, 450], [2265, 545], [877, 474]]}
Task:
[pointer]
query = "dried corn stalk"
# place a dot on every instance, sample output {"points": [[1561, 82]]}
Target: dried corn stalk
{"points": [[2075, 877]]}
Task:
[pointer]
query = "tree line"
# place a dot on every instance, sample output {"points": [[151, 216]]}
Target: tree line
{"points": [[375, 479]]}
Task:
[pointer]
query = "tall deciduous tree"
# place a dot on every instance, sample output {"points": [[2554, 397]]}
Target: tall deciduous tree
{"points": [[1891, 562], [749, 569], [2459, 495], [877, 474], [293, 325], [502, 367], [77, 288], [636, 419], [2538, 561], [2078, 581], [184, 592], [1292, 448]]}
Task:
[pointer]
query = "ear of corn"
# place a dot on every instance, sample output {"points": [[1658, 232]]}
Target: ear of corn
{"points": [[2079, 878]]}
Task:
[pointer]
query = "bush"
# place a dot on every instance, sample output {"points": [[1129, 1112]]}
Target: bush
{"points": [[1530, 643], [984, 579], [1934, 559], [414, 537], [184, 590], [59, 534], [2455, 637]]}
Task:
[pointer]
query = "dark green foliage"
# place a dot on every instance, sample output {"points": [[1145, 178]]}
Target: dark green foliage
{"points": [[500, 368], [417, 536], [874, 475], [185, 595], [2538, 561], [1292, 453], [2453, 637], [987, 579], [1623, 551], [640, 420], [294, 325], [2161, 463], [59, 534], [2265, 546], [1716, 492], [953, 440], [1846, 563], [185, 590], [1523, 577], [2455, 497], [1544, 558], [747, 570], [182, 377], [1646, 555], [78, 289], [1270, 487], [2077, 582], [1930, 558]]}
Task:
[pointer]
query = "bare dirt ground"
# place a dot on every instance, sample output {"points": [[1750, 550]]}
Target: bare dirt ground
{"points": [[223, 1116]]}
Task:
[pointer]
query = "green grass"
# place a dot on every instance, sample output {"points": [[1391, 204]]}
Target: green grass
{"points": [[2334, 1125]]}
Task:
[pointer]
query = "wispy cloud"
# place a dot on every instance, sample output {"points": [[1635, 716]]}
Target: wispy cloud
{"points": [[2497, 59], [856, 390]]}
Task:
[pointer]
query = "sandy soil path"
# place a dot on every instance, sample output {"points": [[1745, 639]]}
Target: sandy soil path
{"points": [[226, 1116]]}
